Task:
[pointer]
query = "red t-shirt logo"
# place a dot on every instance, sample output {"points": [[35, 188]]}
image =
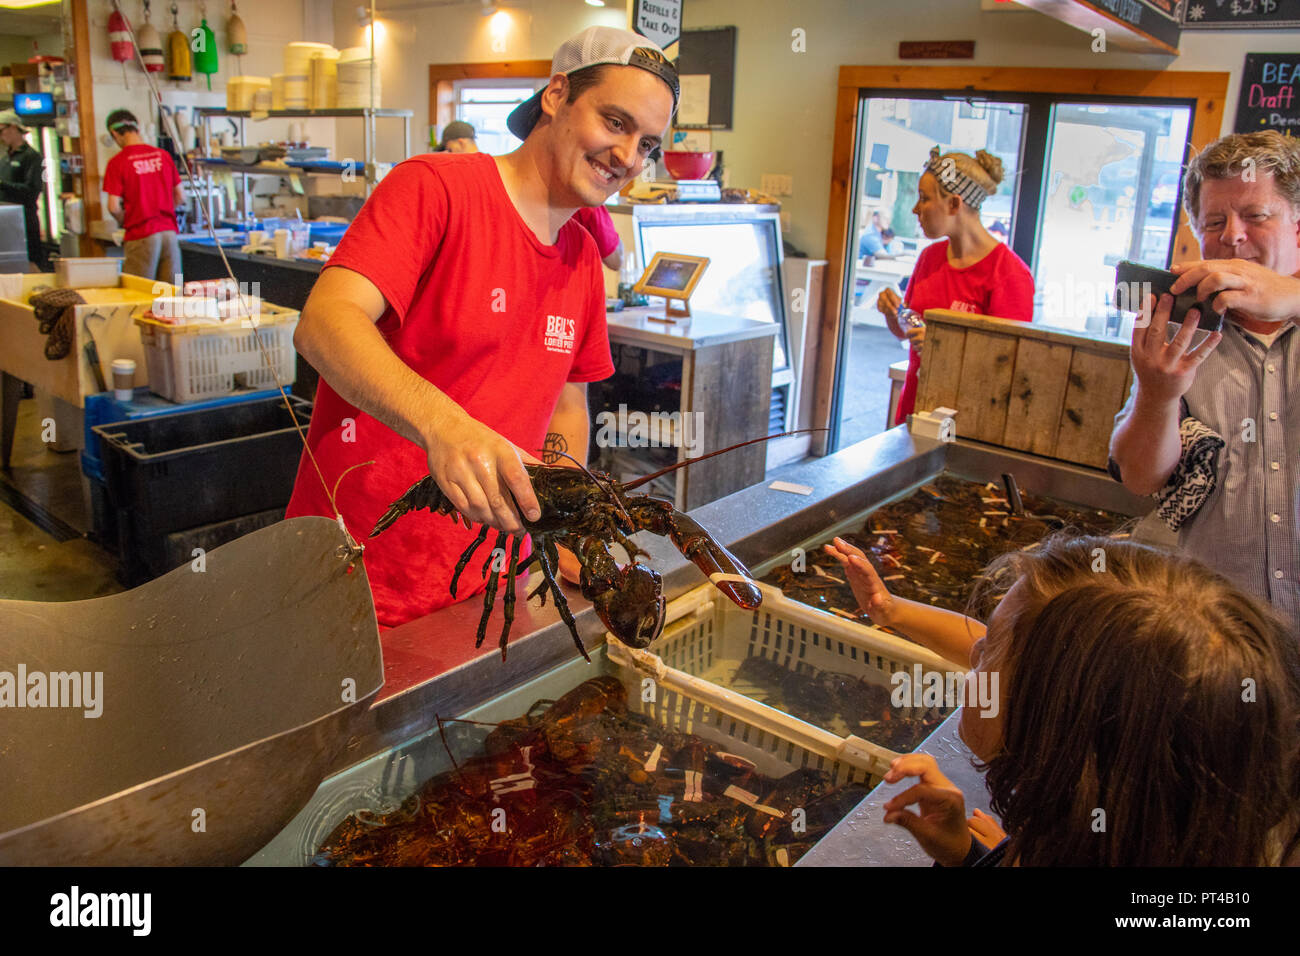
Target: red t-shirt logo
{"points": [[559, 334]]}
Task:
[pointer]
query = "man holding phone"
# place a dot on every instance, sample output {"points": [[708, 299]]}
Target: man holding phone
{"points": [[1242, 383]]}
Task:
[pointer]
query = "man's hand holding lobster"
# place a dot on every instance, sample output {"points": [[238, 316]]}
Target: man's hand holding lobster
{"points": [[478, 470]]}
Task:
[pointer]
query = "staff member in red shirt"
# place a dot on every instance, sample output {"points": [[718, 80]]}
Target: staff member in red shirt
{"points": [[458, 323], [143, 193], [597, 221], [971, 271]]}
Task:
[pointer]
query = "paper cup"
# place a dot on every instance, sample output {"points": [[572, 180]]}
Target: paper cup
{"points": [[283, 238], [124, 379]]}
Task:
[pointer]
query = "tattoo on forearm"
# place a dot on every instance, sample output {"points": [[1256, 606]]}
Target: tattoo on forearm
{"points": [[555, 444]]}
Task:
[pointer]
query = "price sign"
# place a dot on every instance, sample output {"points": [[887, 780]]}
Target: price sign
{"points": [[1241, 14]]}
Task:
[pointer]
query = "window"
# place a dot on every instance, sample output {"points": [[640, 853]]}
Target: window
{"points": [[1110, 193], [485, 104], [1086, 182]]}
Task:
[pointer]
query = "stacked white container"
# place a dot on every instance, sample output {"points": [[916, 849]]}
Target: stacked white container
{"points": [[324, 80], [354, 76], [241, 91]]}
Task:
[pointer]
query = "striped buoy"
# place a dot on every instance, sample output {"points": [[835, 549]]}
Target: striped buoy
{"points": [[119, 37], [151, 51], [119, 41], [151, 48]]}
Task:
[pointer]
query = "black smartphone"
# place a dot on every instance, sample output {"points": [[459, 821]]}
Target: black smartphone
{"points": [[1134, 282]]}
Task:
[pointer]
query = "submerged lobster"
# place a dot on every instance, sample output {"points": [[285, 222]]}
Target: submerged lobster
{"points": [[586, 512]]}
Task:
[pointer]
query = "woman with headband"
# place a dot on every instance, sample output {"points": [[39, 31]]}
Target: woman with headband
{"points": [[971, 272]]}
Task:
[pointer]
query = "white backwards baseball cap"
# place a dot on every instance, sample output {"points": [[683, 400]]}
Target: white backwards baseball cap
{"points": [[592, 47]]}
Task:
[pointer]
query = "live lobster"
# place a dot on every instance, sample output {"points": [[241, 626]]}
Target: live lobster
{"points": [[586, 511]]}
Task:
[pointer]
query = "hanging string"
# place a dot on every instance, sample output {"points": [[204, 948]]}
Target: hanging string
{"points": [[354, 549]]}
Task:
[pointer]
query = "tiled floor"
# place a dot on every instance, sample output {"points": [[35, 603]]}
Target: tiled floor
{"points": [[53, 560]]}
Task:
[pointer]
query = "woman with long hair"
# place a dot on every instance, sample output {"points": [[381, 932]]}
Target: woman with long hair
{"points": [[1148, 712], [969, 271]]}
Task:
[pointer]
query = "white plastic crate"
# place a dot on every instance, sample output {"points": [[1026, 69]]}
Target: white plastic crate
{"points": [[707, 632], [191, 362]]}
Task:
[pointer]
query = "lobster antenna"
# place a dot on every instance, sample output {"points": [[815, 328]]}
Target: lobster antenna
{"points": [[713, 454], [600, 484]]}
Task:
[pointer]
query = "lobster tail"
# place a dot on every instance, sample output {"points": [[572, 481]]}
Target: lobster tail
{"points": [[425, 493]]}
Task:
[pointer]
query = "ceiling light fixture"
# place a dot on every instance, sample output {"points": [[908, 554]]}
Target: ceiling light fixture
{"points": [[24, 4], [595, 3], [489, 8]]}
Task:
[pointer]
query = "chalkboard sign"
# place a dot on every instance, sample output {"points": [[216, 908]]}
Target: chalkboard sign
{"points": [[1241, 14], [1270, 94]]}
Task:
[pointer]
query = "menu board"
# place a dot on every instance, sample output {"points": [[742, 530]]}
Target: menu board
{"points": [[1270, 94], [1240, 14]]}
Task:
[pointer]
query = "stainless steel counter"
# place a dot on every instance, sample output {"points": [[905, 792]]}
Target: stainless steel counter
{"points": [[641, 326], [431, 668]]}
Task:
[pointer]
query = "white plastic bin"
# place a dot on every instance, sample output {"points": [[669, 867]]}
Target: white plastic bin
{"points": [[188, 363], [706, 631], [87, 273]]}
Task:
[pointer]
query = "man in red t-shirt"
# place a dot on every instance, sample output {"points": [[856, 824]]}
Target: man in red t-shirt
{"points": [[458, 323], [143, 193]]}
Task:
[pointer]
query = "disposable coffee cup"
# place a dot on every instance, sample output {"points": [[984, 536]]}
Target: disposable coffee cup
{"points": [[124, 379], [282, 240]]}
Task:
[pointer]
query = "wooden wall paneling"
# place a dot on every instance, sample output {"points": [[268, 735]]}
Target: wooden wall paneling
{"points": [[1037, 394], [1206, 88], [940, 375], [1095, 393], [986, 372]]}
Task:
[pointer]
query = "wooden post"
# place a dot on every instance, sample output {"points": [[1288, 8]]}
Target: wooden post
{"points": [[86, 143]]}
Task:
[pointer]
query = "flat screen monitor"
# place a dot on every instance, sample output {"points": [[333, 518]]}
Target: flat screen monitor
{"points": [[744, 273]]}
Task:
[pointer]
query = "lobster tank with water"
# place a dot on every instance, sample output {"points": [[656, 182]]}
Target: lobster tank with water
{"points": [[401, 731]]}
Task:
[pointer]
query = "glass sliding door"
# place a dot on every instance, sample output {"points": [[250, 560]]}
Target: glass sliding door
{"points": [[899, 133]]}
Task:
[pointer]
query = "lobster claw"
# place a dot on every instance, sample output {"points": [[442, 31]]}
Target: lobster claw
{"points": [[714, 560], [633, 608]]}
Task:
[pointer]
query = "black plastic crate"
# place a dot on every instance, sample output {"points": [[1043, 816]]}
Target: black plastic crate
{"points": [[177, 472]]}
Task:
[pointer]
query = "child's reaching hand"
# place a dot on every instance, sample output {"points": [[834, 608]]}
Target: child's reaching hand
{"points": [[873, 597], [985, 829], [941, 828]]}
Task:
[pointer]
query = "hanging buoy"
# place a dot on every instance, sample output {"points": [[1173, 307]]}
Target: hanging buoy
{"points": [[119, 40], [205, 52], [150, 44], [178, 49], [236, 31]]}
